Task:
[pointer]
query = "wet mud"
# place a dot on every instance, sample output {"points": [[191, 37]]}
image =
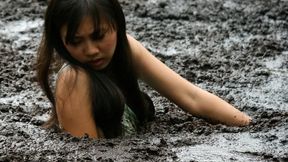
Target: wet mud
{"points": [[235, 49]]}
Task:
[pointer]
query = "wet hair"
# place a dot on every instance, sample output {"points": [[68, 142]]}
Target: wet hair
{"points": [[111, 88]]}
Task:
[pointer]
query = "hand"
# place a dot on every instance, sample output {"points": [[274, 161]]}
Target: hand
{"points": [[242, 120]]}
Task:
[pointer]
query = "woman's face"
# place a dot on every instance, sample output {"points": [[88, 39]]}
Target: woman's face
{"points": [[89, 47]]}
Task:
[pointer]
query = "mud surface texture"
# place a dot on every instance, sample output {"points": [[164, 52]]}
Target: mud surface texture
{"points": [[237, 49]]}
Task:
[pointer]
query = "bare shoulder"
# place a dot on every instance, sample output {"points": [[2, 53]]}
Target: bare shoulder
{"points": [[73, 103], [141, 57], [72, 89], [136, 47], [69, 80]]}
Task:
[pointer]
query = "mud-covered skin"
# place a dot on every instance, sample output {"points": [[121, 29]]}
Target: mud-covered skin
{"points": [[235, 49]]}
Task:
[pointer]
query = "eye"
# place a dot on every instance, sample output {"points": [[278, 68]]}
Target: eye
{"points": [[74, 41], [98, 36], [100, 33]]}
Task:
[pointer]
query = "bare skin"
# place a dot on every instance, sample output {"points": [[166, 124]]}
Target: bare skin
{"points": [[74, 107], [187, 96]]}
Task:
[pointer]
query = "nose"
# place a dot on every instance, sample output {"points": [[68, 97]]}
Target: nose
{"points": [[91, 48]]}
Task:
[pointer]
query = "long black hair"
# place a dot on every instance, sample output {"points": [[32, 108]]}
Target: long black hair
{"points": [[111, 88]]}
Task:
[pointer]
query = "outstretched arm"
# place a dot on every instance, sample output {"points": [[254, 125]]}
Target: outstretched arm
{"points": [[187, 96]]}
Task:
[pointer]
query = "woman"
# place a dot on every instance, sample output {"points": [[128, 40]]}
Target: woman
{"points": [[97, 92]]}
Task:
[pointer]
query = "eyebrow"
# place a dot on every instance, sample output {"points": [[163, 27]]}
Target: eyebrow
{"points": [[77, 36]]}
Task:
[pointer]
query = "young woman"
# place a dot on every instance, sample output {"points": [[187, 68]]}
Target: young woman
{"points": [[97, 92]]}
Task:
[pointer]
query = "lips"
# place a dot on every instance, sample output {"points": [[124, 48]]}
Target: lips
{"points": [[97, 62]]}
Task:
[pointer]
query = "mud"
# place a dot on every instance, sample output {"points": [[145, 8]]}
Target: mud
{"points": [[235, 49]]}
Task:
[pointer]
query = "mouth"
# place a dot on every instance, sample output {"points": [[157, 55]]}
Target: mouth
{"points": [[97, 62]]}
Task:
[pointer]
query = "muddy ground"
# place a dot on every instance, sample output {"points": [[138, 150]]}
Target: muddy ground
{"points": [[237, 49]]}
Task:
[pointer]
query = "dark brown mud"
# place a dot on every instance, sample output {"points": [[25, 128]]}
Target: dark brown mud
{"points": [[235, 49]]}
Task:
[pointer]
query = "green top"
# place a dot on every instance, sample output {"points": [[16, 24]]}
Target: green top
{"points": [[129, 122]]}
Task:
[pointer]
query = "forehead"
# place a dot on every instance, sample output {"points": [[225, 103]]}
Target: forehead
{"points": [[87, 26]]}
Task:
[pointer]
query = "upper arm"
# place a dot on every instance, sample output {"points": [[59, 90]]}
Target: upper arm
{"points": [[73, 103], [162, 78]]}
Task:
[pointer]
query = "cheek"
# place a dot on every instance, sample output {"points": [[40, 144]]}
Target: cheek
{"points": [[108, 47], [110, 44], [74, 52]]}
